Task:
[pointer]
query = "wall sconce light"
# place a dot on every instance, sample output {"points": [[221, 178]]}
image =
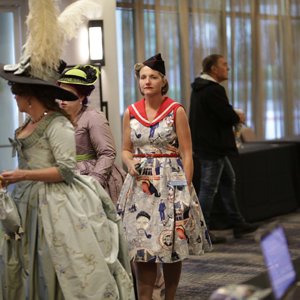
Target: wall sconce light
{"points": [[96, 42], [96, 54]]}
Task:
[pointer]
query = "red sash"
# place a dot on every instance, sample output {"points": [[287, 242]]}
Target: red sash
{"points": [[138, 111]]}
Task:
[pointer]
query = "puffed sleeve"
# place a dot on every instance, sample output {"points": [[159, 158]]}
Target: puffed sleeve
{"points": [[61, 137], [103, 144]]}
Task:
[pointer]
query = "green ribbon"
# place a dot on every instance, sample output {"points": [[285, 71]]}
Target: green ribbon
{"points": [[82, 157]]}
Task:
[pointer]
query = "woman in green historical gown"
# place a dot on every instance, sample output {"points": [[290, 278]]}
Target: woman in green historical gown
{"points": [[72, 245]]}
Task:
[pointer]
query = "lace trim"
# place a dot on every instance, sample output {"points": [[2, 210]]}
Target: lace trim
{"points": [[66, 173], [39, 130]]}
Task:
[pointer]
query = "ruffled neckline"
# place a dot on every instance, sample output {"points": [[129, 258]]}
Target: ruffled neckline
{"points": [[38, 131]]}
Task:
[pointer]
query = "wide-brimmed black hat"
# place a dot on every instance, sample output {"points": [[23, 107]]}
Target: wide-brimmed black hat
{"points": [[25, 78]]}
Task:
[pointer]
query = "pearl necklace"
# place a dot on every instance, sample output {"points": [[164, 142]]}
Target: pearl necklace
{"points": [[45, 113]]}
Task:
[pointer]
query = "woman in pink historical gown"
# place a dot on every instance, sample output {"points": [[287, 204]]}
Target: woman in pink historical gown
{"points": [[95, 147]]}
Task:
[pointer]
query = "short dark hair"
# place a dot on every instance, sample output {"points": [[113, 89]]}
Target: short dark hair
{"points": [[83, 90], [44, 94], [210, 61]]}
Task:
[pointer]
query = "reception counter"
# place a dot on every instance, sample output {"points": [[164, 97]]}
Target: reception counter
{"points": [[267, 182]]}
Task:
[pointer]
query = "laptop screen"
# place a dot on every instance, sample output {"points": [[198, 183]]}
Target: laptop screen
{"points": [[278, 261]]}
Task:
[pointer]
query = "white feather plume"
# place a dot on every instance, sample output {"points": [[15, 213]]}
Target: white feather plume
{"points": [[74, 15], [44, 39], [48, 30]]}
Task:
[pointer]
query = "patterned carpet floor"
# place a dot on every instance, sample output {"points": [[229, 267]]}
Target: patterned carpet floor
{"points": [[233, 262]]}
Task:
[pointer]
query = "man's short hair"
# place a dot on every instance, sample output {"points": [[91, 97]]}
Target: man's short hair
{"points": [[210, 61]]}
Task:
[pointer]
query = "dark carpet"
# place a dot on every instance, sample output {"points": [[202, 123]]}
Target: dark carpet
{"points": [[234, 262]]}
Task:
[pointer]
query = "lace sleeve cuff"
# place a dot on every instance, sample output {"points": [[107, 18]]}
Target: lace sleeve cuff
{"points": [[66, 173]]}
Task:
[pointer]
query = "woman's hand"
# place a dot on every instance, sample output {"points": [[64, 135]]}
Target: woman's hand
{"points": [[127, 155], [131, 167], [9, 177], [185, 143], [190, 188]]}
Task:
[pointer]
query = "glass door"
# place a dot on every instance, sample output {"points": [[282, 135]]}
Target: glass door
{"points": [[10, 40]]}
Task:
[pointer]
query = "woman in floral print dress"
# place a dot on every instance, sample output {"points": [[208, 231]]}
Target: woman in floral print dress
{"points": [[161, 213]]}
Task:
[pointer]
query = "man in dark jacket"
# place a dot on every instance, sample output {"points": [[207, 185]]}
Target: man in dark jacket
{"points": [[212, 119]]}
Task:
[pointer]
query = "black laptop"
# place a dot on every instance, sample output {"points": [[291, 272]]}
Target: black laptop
{"points": [[280, 267]]}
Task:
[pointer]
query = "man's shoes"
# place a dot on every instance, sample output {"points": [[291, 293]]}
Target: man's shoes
{"points": [[217, 239], [243, 228]]}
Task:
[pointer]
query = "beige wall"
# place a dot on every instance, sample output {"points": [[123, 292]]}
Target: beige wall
{"points": [[74, 54]]}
